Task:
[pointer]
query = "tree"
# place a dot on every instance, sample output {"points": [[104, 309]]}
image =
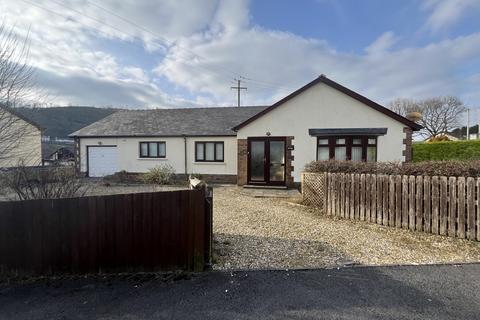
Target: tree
{"points": [[16, 88], [438, 115]]}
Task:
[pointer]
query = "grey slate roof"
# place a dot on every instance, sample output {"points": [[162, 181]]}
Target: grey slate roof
{"points": [[170, 122]]}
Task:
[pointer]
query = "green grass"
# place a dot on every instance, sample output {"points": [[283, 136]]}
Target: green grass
{"points": [[448, 150]]}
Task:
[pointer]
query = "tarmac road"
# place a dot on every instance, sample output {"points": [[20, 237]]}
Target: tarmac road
{"points": [[398, 292]]}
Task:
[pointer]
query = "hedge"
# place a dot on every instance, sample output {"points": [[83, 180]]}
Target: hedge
{"points": [[452, 168], [447, 150]]}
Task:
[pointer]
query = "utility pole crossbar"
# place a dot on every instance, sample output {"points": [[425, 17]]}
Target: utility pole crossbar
{"points": [[238, 88]]}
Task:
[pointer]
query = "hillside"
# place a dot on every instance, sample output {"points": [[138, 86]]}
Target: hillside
{"points": [[462, 132], [61, 121]]}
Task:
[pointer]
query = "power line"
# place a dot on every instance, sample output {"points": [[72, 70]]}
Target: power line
{"points": [[143, 29], [116, 29], [271, 84], [261, 86], [158, 37], [171, 43]]}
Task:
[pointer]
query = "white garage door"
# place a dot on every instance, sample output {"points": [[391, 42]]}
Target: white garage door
{"points": [[102, 161]]}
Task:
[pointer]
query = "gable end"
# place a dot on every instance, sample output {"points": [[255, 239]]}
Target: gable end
{"points": [[323, 79]]}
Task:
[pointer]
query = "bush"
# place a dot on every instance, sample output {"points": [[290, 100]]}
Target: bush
{"points": [[159, 175], [428, 168], [447, 150], [42, 183]]}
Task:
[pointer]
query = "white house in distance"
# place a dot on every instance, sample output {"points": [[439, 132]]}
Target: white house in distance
{"points": [[20, 140], [248, 145]]}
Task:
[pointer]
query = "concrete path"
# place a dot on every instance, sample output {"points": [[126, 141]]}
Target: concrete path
{"points": [[408, 292]]}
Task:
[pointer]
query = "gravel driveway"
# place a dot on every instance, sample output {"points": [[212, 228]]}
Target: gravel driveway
{"points": [[258, 233]]}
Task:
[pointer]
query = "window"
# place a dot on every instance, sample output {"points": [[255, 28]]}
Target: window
{"points": [[153, 149], [347, 148], [209, 151]]}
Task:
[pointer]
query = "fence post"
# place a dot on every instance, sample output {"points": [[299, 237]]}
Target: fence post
{"points": [[411, 202], [452, 206], [471, 208], [461, 209], [419, 204], [427, 205]]}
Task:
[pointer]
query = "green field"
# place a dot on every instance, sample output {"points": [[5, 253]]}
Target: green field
{"points": [[448, 150]]}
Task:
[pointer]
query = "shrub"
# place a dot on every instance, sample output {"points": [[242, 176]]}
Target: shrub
{"points": [[429, 168], [447, 150], [159, 175], [42, 183]]}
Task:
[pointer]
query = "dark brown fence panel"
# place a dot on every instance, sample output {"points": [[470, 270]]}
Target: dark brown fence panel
{"points": [[115, 233]]}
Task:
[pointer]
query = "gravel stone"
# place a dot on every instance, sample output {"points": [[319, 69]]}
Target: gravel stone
{"points": [[254, 232]]}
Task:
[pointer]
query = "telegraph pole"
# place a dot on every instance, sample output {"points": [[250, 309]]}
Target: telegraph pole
{"points": [[238, 88], [468, 124]]}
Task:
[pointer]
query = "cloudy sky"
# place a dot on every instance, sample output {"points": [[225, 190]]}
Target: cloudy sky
{"points": [[186, 53]]}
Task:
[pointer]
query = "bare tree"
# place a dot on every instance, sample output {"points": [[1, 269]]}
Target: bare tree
{"points": [[27, 183], [438, 115], [17, 88], [403, 106]]}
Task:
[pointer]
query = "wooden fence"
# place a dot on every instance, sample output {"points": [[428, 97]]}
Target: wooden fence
{"points": [[117, 233], [447, 206]]}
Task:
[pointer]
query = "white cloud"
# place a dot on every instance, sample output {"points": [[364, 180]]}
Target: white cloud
{"points": [[383, 43], [226, 45], [444, 13], [290, 60]]}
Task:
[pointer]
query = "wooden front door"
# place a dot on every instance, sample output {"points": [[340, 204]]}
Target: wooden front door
{"points": [[266, 160]]}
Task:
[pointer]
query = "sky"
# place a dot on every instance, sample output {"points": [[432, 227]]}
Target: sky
{"points": [[187, 53]]}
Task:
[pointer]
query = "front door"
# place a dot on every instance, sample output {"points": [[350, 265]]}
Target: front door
{"points": [[266, 161]]}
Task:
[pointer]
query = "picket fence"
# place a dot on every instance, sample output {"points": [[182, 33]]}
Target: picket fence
{"points": [[440, 205]]}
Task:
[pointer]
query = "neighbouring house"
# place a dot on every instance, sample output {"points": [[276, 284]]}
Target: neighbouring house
{"points": [[248, 145], [449, 137], [58, 154], [20, 140]]}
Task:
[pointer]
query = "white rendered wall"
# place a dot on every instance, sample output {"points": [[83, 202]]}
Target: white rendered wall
{"points": [[322, 107], [129, 159]]}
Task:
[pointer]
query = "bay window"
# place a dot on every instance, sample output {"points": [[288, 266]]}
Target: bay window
{"points": [[361, 148]]}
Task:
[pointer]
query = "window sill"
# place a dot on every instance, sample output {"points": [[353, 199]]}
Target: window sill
{"points": [[154, 159], [209, 163]]}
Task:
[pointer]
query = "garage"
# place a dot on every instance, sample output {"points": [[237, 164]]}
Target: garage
{"points": [[102, 160]]}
